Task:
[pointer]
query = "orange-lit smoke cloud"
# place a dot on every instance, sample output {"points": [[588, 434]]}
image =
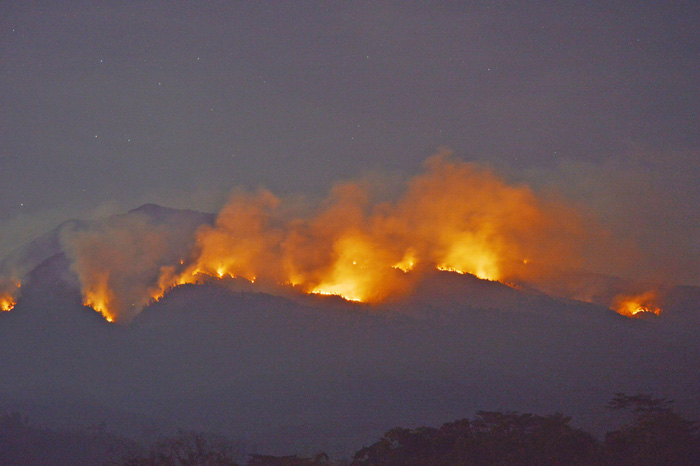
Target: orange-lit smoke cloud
{"points": [[456, 216], [119, 261], [638, 304]]}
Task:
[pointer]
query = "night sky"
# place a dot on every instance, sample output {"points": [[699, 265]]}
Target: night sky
{"points": [[108, 105]]}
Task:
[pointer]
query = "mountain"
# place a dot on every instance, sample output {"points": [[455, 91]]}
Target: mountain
{"points": [[294, 373], [26, 258]]}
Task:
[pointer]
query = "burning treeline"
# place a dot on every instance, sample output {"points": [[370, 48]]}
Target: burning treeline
{"points": [[454, 216]]}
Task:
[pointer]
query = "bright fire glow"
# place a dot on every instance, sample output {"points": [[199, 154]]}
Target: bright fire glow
{"points": [[407, 263], [99, 299], [358, 267], [7, 303], [337, 290], [9, 292], [455, 216], [636, 305], [470, 255]]}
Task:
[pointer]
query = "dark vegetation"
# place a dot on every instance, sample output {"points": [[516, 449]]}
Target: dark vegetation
{"points": [[651, 434]]}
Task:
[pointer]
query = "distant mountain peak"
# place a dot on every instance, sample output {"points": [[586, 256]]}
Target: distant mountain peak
{"points": [[153, 209]]}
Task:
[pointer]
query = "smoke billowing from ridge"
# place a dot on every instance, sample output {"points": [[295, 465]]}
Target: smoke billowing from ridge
{"points": [[120, 260], [117, 264], [454, 216]]}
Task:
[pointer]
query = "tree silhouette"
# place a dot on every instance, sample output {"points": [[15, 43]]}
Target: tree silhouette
{"points": [[492, 438], [653, 435], [185, 449], [656, 436], [320, 459]]}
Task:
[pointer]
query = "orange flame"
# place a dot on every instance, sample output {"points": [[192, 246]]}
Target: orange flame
{"points": [[8, 294], [357, 272], [7, 303], [121, 264], [408, 262], [455, 216], [99, 298], [637, 305]]}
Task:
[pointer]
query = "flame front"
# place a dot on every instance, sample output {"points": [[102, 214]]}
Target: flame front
{"points": [[7, 303], [637, 304], [359, 271], [467, 255], [100, 303], [408, 262], [9, 292], [455, 216]]}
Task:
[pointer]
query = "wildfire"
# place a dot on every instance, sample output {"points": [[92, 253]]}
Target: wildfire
{"points": [[99, 299], [407, 263], [480, 272], [637, 305], [455, 216], [7, 303], [338, 290], [469, 255], [9, 291]]}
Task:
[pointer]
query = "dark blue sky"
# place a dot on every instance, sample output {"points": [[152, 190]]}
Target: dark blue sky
{"points": [[107, 105]]}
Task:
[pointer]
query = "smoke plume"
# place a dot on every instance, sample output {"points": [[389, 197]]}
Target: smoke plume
{"points": [[453, 216], [120, 260]]}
